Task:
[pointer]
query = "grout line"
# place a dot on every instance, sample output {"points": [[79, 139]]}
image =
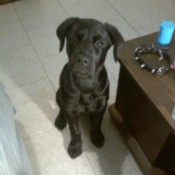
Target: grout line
{"points": [[63, 8], [90, 163], [122, 17], [34, 49]]}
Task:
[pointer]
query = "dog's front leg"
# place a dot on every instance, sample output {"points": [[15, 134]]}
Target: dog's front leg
{"points": [[75, 146], [97, 137]]}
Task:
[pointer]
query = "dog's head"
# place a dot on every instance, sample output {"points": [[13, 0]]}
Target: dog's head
{"points": [[88, 41]]}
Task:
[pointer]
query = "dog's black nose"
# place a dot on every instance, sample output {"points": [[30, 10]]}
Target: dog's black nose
{"points": [[83, 60]]}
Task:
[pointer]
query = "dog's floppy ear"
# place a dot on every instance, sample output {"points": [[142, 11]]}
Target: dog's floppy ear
{"points": [[62, 28], [116, 38]]}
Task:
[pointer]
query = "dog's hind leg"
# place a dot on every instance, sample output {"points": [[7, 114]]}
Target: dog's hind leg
{"points": [[60, 121]]}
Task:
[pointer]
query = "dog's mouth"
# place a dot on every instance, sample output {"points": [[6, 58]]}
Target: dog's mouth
{"points": [[80, 74]]}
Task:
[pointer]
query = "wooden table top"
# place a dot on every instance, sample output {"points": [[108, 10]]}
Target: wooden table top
{"points": [[160, 89]]}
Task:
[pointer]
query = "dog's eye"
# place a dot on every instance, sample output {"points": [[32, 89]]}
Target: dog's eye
{"points": [[73, 39], [99, 44]]}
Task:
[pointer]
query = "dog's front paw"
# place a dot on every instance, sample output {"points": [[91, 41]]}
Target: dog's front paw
{"points": [[75, 149], [60, 122], [97, 139]]}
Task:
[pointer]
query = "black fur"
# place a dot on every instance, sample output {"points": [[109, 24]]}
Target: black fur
{"points": [[84, 84]]}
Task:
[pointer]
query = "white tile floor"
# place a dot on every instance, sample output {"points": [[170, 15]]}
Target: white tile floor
{"points": [[30, 66]]}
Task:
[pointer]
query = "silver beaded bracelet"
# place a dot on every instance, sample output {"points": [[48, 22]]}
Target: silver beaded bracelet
{"points": [[152, 49]]}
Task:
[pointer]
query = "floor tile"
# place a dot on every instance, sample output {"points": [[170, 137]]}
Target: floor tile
{"points": [[89, 9], [12, 36], [126, 30], [53, 65], [105, 13], [41, 22], [139, 14], [37, 97], [7, 13], [114, 158], [148, 30], [49, 156], [19, 63], [19, 67]]}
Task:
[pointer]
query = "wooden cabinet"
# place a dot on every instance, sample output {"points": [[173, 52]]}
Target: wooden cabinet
{"points": [[143, 111], [5, 1]]}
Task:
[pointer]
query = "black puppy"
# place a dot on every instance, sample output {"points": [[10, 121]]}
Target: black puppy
{"points": [[84, 84]]}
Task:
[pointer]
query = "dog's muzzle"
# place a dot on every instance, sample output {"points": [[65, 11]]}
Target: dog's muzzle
{"points": [[81, 65], [82, 60]]}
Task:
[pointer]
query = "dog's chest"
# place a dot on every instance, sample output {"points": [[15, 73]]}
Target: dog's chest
{"points": [[89, 103], [86, 85], [86, 99]]}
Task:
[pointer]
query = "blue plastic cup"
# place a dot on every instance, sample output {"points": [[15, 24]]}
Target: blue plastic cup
{"points": [[166, 32]]}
